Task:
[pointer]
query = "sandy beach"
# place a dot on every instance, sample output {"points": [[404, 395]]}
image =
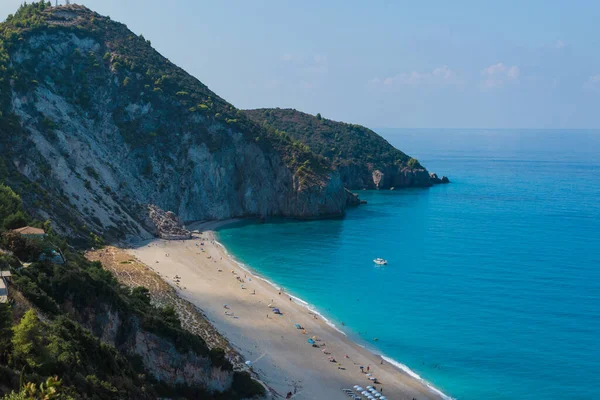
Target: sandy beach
{"points": [[278, 350]]}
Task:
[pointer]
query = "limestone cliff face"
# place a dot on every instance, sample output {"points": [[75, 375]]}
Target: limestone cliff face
{"points": [[363, 159], [386, 177], [159, 355], [107, 126]]}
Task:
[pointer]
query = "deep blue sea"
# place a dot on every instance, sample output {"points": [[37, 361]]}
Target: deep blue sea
{"points": [[493, 285]]}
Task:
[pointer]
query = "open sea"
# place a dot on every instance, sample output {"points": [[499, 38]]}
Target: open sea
{"points": [[492, 291]]}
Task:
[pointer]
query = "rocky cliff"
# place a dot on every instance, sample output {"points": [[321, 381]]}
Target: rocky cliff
{"points": [[363, 159], [191, 366], [96, 125]]}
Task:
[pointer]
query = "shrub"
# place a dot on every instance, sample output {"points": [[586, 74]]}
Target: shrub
{"points": [[14, 221]]}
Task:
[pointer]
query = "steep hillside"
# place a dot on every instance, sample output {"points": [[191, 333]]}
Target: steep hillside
{"points": [[102, 340], [95, 125], [363, 158]]}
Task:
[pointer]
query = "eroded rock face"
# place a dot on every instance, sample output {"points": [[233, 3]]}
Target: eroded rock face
{"points": [[399, 178], [435, 179], [103, 161], [168, 225], [159, 355]]}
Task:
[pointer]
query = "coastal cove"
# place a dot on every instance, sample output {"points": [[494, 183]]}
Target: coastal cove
{"points": [[487, 276]]}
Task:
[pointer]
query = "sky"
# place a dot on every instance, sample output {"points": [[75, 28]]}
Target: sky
{"points": [[385, 64]]}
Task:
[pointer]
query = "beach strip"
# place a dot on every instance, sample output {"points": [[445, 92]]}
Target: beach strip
{"points": [[294, 350]]}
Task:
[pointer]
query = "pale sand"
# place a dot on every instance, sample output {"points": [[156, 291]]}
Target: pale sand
{"points": [[279, 352]]}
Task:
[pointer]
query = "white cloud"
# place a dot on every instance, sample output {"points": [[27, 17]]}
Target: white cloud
{"points": [[560, 44], [287, 57], [593, 82], [498, 74], [439, 76]]}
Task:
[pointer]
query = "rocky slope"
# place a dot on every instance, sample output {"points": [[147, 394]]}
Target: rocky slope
{"points": [[364, 159], [96, 125]]}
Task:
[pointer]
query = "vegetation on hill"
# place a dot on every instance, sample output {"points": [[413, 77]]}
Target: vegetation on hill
{"points": [[72, 77], [344, 144], [45, 348], [142, 72]]}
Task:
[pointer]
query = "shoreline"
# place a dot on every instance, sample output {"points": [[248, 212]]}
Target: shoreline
{"points": [[210, 279], [397, 364]]}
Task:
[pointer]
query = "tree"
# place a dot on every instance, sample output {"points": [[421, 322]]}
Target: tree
{"points": [[14, 221], [5, 331], [49, 390], [142, 294], [413, 163], [169, 315], [10, 202], [28, 341], [25, 249], [319, 116]]}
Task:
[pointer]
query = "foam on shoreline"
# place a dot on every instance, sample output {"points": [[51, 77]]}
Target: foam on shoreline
{"points": [[416, 376], [312, 309], [296, 299]]}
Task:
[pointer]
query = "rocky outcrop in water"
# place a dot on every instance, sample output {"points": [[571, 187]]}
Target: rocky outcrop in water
{"points": [[433, 177], [364, 159]]}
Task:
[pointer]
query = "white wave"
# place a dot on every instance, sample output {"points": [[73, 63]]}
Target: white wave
{"points": [[304, 303], [413, 374], [331, 324]]}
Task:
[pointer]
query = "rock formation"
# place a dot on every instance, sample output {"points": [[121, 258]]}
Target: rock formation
{"points": [[363, 159], [99, 124], [168, 225]]}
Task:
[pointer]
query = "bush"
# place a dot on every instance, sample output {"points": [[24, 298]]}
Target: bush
{"points": [[246, 387], [413, 163], [14, 221]]}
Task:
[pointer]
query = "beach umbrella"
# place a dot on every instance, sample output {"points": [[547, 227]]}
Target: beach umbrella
{"points": [[369, 387], [365, 393], [355, 386], [377, 394], [383, 398], [311, 341], [359, 388], [248, 363]]}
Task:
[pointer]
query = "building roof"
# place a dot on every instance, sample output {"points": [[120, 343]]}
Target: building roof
{"points": [[29, 230]]}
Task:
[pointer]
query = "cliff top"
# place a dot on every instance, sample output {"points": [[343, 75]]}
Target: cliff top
{"points": [[342, 143], [141, 70]]}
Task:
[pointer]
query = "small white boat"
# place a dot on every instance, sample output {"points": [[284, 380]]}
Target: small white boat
{"points": [[380, 261]]}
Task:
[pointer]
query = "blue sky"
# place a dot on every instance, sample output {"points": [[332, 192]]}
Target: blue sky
{"points": [[452, 64]]}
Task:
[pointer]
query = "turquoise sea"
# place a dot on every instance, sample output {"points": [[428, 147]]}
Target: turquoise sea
{"points": [[493, 285]]}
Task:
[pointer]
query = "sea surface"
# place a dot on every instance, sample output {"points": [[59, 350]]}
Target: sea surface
{"points": [[493, 285]]}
